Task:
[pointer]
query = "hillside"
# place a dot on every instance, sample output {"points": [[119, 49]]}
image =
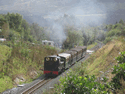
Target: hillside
{"points": [[95, 74], [22, 63], [103, 59]]}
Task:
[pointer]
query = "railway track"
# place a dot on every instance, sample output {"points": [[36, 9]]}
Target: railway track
{"points": [[36, 86]]}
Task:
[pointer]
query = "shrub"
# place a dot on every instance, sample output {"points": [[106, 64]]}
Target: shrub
{"points": [[113, 32], [24, 52], [119, 70], [107, 39], [75, 84]]}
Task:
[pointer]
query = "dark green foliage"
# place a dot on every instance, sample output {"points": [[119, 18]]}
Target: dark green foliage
{"points": [[25, 31], [109, 27], [107, 40], [15, 20], [114, 31], [121, 22], [73, 38], [37, 32], [11, 35], [119, 70], [92, 39], [93, 34], [2, 20], [119, 26], [75, 84], [86, 38], [25, 25]]}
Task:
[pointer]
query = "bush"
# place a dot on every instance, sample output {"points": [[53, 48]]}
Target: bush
{"points": [[113, 32], [107, 39], [24, 51], [75, 84], [119, 70]]}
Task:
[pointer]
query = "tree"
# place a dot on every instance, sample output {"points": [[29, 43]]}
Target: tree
{"points": [[24, 25], [5, 29], [15, 20], [109, 27], [121, 22], [86, 38], [4, 26], [37, 32], [73, 38]]}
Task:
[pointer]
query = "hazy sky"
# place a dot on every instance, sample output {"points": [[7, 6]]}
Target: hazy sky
{"points": [[53, 9], [47, 6]]}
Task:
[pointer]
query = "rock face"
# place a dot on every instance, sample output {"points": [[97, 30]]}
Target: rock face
{"points": [[19, 79], [33, 74]]}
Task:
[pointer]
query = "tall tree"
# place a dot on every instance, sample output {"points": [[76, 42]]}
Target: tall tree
{"points": [[121, 22]]}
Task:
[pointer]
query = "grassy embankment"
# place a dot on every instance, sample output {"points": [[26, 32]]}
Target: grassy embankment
{"points": [[21, 60], [104, 58], [91, 46], [99, 64]]}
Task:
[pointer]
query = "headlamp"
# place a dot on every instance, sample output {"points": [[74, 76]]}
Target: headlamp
{"points": [[47, 59], [55, 59]]}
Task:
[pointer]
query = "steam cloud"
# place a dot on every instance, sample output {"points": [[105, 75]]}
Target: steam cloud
{"points": [[56, 14], [81, 14]]}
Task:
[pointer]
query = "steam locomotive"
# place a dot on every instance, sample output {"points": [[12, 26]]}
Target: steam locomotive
{"points": [[56, 64]]}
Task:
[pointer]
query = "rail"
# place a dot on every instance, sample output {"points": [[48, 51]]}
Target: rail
{"points": [[36, 86]]}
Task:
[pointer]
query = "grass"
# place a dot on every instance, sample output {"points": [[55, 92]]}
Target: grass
{"points": [[91, 46], [5, 83], [104, 57], [21, 60]]}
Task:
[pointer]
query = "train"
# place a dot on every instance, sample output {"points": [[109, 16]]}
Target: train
{"points": [[56, 64]]}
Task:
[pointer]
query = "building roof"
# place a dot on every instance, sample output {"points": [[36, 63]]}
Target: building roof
{"points": [[46, 41]]}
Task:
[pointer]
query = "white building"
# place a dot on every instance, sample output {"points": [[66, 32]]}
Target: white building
{"points": [[46, 42]]}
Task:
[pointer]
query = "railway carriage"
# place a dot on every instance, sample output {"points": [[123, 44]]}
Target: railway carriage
{"points": [[73, 56], [66, 59], [84, 48], [79, 52]]}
